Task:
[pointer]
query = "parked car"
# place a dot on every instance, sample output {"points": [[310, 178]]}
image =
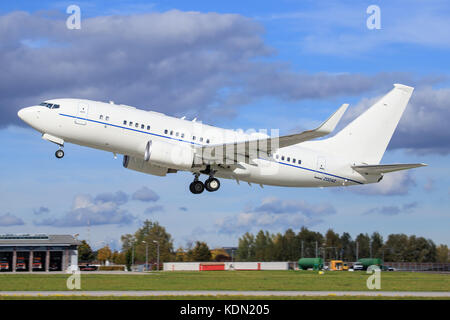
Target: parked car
{"points": [[4, 265], [357, 266], [88, 268], [37, 263], [20, 264]]}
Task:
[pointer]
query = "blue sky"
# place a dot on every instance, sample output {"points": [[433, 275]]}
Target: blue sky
{"points": [[258, 64]]}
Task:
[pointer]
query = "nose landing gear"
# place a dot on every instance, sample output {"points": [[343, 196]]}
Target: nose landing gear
{"points": [[59, 153]]}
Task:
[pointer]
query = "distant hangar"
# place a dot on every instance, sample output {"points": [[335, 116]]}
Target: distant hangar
{"points": [[38, 252]]}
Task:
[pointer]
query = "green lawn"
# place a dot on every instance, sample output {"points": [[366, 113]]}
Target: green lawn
{"points": [[230, 280]]}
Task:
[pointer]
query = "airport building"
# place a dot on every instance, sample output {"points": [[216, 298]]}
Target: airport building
{"points": [[38, 252]]}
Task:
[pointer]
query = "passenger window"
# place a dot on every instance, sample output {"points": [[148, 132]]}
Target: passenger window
{"points": [[182, 135], [293, 160], [282, 158], [136, 125], [165, 131], [124, 122], [288, 159], [101, 117], [142, 126], [201, 139], [171, 132], [277, 156], [207, 140], [299, 161], [107, 118], [177, 134], [55, 106], [193, 138], [148, 127], [131, 123]]}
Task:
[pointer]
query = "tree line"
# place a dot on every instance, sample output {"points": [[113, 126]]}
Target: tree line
{"points": [[292, 246], [266, 246]]}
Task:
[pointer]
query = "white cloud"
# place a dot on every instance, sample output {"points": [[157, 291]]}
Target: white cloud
{"points": [[87, 210], [9, 220], [274, 213], [393, 184], [174, 62], [146, 195]]}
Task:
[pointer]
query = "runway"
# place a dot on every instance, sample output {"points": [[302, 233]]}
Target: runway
{"points": [[227, 293]]}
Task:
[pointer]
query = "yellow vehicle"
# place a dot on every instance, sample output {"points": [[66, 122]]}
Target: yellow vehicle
{"points": [[338, 265]]}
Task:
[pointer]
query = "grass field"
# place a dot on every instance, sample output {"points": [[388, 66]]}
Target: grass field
{"points": [[232, 280]]}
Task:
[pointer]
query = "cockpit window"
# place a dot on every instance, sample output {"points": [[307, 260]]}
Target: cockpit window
{"points": [[49, 105]]}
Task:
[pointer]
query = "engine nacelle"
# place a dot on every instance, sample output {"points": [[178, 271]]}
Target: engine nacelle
{"points": [[175, 156], [141, 165]]}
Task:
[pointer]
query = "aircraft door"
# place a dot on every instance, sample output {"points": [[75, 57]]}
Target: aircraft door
{"points": [[83, 109]]}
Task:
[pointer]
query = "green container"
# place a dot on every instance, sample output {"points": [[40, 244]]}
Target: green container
{"points": [[306, 263], [370, 262]]}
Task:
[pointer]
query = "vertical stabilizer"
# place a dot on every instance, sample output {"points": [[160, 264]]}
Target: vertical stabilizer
{"points": [[366, 138]]}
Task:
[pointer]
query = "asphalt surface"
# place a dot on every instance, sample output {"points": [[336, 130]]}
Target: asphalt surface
{"points": [[226, 293]]}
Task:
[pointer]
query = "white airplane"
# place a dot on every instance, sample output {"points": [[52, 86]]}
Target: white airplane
{"points": [[157, 144]]}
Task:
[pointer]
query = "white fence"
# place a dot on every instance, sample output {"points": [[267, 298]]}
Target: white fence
{"points": [[195, 266]]}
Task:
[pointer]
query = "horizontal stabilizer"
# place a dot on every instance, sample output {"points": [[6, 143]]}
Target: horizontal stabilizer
{"points": [[385, 168]]}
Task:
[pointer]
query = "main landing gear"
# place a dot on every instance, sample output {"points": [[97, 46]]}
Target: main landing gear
{"points": [[59, 153], [211, 184]]}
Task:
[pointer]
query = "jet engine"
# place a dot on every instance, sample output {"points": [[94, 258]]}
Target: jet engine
{"points": [[141, 165], [170, 155]]}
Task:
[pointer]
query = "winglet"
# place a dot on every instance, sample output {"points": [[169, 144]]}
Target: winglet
{"points": [[330, 124]]}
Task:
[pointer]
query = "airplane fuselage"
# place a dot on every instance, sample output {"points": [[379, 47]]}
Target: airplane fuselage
{"points": [[125, 130]]}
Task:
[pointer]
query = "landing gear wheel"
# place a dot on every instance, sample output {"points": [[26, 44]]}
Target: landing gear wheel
{"points": [[59, 154], [197, 187], [212, 184]]}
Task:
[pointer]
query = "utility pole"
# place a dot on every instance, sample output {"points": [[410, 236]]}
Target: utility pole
{"points": [[316, 250], [157, 259], [370, 246], [302, 249], [146, 254], [133, 240], [357, 249]]}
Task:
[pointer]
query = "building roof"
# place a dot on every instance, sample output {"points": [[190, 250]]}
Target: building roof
{"points": [[38, 239]]}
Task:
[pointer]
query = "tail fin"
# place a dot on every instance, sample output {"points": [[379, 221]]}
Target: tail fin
{"points": [[366, 138]]}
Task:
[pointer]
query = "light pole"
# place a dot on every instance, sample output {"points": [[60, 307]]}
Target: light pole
{"points": [[157, 259], [146, 254], [133, 240]]}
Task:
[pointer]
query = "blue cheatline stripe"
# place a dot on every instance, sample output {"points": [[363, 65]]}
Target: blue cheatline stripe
{"points": [[198, 144]]}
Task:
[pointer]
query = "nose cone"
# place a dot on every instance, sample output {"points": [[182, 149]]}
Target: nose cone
{"points": [[27, 114], [21, 113]]}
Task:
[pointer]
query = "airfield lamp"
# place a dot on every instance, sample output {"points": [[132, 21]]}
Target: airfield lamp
{"points": [[157, 260], [146, 254]]}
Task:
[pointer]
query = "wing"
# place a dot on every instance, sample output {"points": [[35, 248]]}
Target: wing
{"points": [[385, 168], [241, 150]]}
